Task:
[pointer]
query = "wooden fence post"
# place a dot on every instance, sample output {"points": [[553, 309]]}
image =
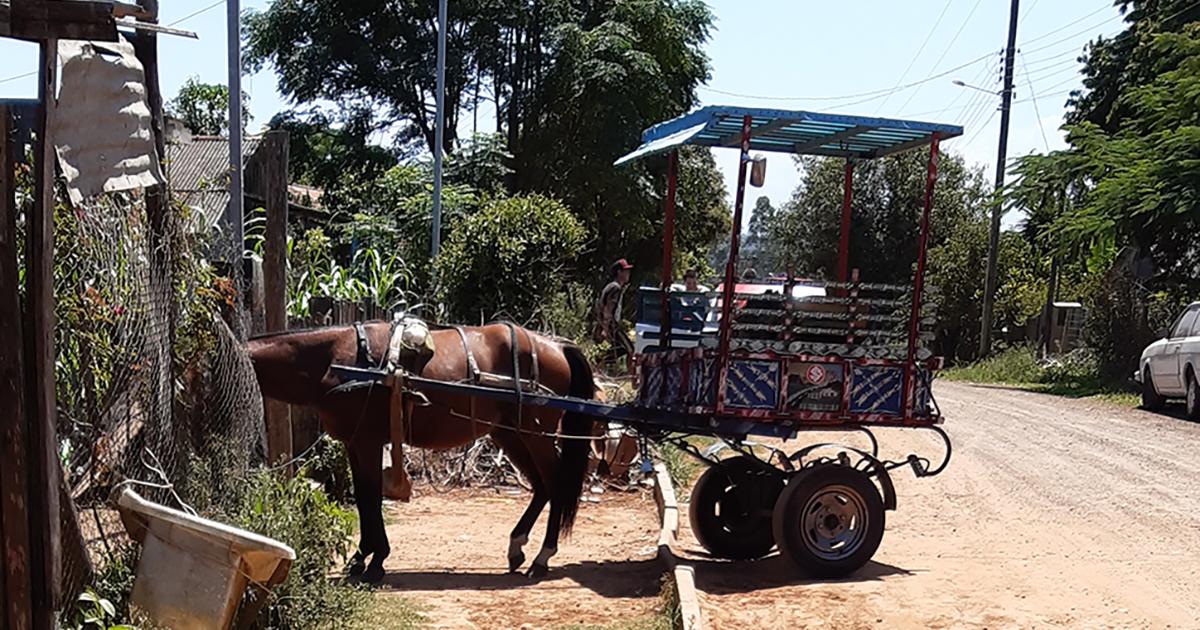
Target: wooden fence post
{"points": [[13, 475], [44, 467], [275, 184]]}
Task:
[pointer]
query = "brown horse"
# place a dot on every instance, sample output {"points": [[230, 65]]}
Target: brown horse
{"points": [[294, 367]]}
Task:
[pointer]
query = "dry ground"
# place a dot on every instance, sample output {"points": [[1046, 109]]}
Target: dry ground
{"points": [[1053, 512], [449, 558]]}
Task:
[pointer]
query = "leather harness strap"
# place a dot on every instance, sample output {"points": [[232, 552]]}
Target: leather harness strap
{"points": [[472, 366], [363, 357]]}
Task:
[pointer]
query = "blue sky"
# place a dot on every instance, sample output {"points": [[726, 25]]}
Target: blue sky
{"points": [[793, 54]]}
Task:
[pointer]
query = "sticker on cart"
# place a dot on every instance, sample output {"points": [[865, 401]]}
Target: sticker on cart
{"points": [[815, 374], [814, 386]]}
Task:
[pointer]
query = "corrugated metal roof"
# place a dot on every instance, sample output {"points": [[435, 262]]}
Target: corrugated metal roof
{"points": [[198, 172], [787, 131]]}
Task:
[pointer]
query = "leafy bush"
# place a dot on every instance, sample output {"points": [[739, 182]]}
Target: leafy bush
{"points": [[292, 511], [508, 259], [320, 531], [1012, 366], [1078, 373]]}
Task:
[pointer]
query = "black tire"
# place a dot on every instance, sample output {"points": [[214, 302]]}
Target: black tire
{"points": [[731, 509], [1192, 401], [829, 521], [1151, 399]]}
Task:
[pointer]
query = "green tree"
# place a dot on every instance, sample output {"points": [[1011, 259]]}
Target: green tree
{"points": [[204, 107], [574, 83], [1126, 185], [888, 200], [505, 260]]}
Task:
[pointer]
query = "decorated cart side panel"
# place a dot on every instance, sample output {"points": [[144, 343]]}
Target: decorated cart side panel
{"points": [[815, 389], [830, 358]]}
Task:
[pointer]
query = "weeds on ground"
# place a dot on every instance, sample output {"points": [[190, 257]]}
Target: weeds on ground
{"points": [[681, 467], [319, 530], [1075, 375], [666, 615], [390, 611]]}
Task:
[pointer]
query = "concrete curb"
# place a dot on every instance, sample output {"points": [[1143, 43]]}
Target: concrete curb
{"points": [[685, 576]]}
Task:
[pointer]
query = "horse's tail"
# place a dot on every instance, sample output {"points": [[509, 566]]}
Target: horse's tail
{"points": [[575, 450]]}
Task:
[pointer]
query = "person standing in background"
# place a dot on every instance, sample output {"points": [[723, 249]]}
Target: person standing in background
{"points": [[608, 314]]}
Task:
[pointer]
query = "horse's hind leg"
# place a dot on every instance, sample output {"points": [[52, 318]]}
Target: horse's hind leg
{"points": [[545, 458], [516, 451], [366, 468]]}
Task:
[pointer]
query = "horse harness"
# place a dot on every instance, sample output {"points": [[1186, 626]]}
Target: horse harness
{"points": [[410, 348]]}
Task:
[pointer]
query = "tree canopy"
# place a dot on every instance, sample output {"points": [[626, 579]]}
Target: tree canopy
{"points": [[572, 84]]}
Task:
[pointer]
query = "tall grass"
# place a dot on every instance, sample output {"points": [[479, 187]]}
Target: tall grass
{"points": [[1075, 375]]}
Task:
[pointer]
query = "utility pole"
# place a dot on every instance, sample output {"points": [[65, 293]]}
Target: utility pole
{"points": [[439, 131], [236, 217], [989, 286]]}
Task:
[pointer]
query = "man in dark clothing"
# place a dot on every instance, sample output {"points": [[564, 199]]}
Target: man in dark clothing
{"points": [[608, 314]]}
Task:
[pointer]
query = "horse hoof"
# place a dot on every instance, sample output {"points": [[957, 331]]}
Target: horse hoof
{"points": [[537, 571], [358, 564], [515, 562], [373, 574]]}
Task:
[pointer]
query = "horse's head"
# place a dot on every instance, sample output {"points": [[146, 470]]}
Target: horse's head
{"points": [[293, 366]]}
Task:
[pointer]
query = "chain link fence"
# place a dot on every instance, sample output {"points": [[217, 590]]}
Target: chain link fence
{"points": [[151, 383]]}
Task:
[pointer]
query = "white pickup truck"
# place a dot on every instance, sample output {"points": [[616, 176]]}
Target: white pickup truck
{"points": [[1170, 366]]}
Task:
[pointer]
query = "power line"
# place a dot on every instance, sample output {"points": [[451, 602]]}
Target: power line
{"points": [[192, 15], [1087, 30], [1071, 23], [1028, 10], [1042, 76], [920, 50], [1036, 111], [19, 76], [976, 79], [876, 93], [1062, 83], [947, 49], [981, 128]]}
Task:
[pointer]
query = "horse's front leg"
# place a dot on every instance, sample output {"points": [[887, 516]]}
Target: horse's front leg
{"points": [[366, 467]]}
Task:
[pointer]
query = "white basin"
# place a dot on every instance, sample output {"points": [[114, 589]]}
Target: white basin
{"points": [[194, 571]]}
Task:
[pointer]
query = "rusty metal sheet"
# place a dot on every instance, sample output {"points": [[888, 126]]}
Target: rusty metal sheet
{"points": [[102, 123]]}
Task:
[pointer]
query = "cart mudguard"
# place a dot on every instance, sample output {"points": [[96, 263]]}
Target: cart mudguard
{"points": [[876, 469]]}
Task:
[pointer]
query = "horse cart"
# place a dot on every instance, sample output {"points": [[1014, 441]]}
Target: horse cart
{"points": [[850, 357]]}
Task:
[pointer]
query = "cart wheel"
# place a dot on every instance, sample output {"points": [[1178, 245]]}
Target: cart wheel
{"points": [[730, 509], [829, 521]]}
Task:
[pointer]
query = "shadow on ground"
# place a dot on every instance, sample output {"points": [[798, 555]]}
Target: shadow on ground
{"points": [[624, 578], [721, 577]]}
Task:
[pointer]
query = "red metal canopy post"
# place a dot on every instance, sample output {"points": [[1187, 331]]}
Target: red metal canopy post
{"points": [[664, 325], [914, 321], [731, 266], [843, 273]]}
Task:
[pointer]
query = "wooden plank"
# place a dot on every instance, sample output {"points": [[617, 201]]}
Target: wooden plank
{"points": [[42, 20], [13, 480], [275, 182], [42, 445]]}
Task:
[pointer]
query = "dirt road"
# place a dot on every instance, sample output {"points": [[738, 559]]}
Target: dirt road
{"points": [[449, 550], [1053, 513]]}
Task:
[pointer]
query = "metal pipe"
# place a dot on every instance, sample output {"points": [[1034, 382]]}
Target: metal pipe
{"points": [[844, 243], [914, 321], [664, 327], [731, 267], [439, 131]]}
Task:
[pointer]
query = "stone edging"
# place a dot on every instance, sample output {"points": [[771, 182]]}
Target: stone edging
{"points": [[685, 577]]}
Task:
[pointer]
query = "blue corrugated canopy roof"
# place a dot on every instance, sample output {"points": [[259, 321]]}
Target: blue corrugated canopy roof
{"points": [[787, 131]]}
